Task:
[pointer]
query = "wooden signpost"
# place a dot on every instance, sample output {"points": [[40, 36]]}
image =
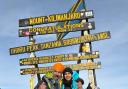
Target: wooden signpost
{"points": [[84, 40]]}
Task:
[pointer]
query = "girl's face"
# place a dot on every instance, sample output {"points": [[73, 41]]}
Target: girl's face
{"points": [[79, 84], [43, 86], [67, 76]]}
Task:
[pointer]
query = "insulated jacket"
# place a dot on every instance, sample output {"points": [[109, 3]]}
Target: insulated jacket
{"points": [[53, 83], [74, 83]]}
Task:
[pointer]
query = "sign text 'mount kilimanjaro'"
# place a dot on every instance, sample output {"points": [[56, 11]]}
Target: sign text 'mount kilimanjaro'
{"points": [[60, 43], [43, 70], [55, 18], [56, 29], [58, 58]]}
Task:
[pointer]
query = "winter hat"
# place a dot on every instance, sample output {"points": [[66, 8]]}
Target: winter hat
{"points": [[67, 69], [58, 67]]}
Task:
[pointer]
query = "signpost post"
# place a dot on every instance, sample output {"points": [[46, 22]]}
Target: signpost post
{"points": [[32, 54], [87, 47]]}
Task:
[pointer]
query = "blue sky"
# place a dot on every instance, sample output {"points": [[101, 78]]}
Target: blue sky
{"points": [[110, 15]]}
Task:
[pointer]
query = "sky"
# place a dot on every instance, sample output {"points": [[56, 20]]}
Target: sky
{"points": [[109, 15]]}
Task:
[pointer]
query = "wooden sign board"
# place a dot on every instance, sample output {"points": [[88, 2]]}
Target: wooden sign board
{"points": [[43, 70], [55, 18], [56, 29], [58, 58], [60, 43]]}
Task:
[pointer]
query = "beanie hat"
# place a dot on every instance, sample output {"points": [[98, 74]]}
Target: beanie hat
{"points": [[80, 80], [67, 69], [58, 67]]}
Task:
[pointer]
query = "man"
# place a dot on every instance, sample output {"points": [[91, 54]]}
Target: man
{"points": [[80, 83], [54, 81], [57, 75], [58, 70]]}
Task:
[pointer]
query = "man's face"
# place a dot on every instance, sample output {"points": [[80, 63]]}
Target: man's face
{"points": [[57, 74], [67, 76], [79, 84]]}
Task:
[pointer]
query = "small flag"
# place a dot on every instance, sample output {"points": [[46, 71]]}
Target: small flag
{"points": [[78, 6]]}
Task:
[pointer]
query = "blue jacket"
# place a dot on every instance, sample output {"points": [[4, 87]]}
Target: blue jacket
{"points": [[74, 78]]}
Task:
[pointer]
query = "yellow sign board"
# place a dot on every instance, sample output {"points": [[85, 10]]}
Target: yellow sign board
{"points": [[60, 43], [56, 29], [58, 58], [43, 70], [55, 18]]}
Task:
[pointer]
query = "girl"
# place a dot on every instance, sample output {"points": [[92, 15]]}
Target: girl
{"points": [[69, 79]]}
